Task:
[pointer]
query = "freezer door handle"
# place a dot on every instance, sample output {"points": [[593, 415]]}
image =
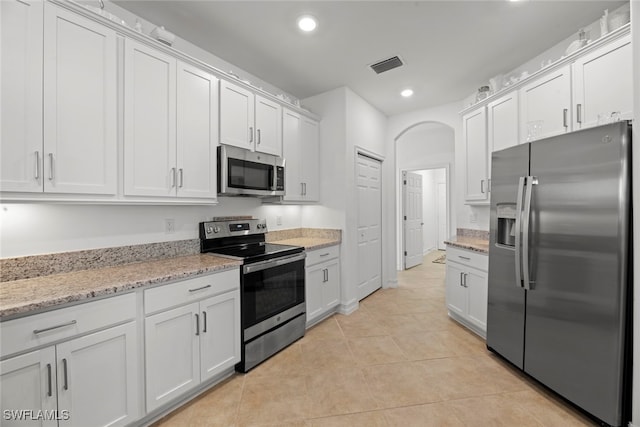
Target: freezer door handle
{"points": [[518, 243], [531, 181]]}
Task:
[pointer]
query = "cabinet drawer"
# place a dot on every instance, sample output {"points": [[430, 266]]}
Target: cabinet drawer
{"points": [[39, 329], [468, 258], [187, 291], [322, 255]]}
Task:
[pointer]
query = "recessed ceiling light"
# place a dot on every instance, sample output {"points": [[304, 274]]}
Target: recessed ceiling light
{"points": [[406, 93], [307, 23]]}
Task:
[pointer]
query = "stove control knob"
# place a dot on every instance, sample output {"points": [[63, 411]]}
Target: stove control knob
{"points": [[209, 230], [216, 229]]}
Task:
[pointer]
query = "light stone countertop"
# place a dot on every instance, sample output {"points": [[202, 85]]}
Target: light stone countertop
{"points": [[309, 243], [27, 296], [472, 243]]}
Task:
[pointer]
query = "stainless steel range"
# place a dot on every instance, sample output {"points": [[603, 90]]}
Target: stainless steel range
{"points": [[272, 280]]}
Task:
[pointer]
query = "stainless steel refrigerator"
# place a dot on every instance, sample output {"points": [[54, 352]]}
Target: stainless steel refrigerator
{"points": [[560, 265]]}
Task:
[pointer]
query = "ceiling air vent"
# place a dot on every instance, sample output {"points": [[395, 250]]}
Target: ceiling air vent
{"points": [[387, 64]]}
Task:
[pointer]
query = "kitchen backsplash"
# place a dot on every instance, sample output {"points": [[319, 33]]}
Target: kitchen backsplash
{"points": [[321, 233], [477, 234]]}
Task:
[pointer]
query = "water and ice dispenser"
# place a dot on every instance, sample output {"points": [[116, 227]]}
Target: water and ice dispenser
{"points": [[506, 229]]}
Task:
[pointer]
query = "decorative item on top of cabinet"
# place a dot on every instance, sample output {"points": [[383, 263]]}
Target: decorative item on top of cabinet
{"points": [[250, 121], [474, 133], [602, 82], [170, 126], [60, 136], [322, 284], [301, 151], [467, 287]]}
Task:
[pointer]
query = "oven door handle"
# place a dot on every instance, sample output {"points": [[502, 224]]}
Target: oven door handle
{"points": [[263, 265]]}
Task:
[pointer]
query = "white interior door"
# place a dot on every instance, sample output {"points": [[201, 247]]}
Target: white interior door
{"points": [[442, 215], [369, 172], [412, 207]]}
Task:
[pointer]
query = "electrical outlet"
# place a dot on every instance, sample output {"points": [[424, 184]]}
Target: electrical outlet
{"points": [[169, 226], [473, 218], [279, 220]]}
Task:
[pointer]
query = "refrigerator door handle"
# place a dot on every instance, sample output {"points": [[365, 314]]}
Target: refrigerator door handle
{"points": [[531, 181], [518, 243]]}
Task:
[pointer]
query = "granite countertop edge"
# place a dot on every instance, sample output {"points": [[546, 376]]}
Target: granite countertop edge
{"points": [[309, 243], [23, 297], [476, 245]]}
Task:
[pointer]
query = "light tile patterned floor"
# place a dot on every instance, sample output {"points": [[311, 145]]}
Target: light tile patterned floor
{"points": [[397, 361]]}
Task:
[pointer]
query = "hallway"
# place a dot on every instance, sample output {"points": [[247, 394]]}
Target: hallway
{"points": [[397, 361]]}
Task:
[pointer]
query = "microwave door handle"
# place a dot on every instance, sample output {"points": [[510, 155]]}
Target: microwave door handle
{"points": [[518, 243]]}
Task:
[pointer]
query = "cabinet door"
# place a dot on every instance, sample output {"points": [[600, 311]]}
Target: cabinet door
{"points": [[21, 100], [172, 354], [197, 132], [456, 294], [236, 116], [602, 82], [291, 151], [474, 131], [502, 118], [98, 378], [80, 134], [310, 158], [476, 285], [149, 121], [314, 282], [268, 126], [331, 285], [29, 384], [219, 334], [545, 105]]}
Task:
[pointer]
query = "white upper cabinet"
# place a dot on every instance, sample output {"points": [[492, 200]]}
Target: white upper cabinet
{"points": [[21, 101], [301, 152], [59, 130], [545, 105], [474, 133], [602, 82], [197, 132], [249, 121], [80, 136], [150, 121], [502, 120]]}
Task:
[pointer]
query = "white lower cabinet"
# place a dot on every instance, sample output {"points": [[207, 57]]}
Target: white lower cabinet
{"points": [[189, 344], [466, 288], [322, 289], [92, 380]]}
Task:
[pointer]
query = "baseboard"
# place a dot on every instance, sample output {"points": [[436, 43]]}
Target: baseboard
{"points": [[348, 308], [464, 322], [391, 284]]}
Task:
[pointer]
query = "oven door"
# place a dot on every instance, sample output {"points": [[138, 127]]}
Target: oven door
{"points": [[272, 293]]}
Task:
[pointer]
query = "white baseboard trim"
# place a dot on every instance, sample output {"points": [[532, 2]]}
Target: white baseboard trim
{"points": [[349, 307], [633, 425], [391, 284], [426, 251]]}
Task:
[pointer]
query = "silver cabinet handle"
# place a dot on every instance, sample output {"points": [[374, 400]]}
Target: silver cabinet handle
{"points": [[66, 377], [521, 183], [37, 165], [464, 257], [51, 174], [323, 255], [250, 133], [181, 177], [302, 188], [531, 181], [489, 185], [49, 392], [39, 331], [197, 324], [565, 113], [482, 186], [579, 113], [465, 280], [199, 289], [173, 177], [305, 188], [204, 319], [461, 274], [327, 270], [259, 139]]}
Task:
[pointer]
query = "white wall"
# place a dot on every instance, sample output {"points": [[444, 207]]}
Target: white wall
{"points": [[635, 35]]}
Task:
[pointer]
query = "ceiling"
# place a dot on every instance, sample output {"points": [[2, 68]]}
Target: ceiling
{"points": [[450, 48]]}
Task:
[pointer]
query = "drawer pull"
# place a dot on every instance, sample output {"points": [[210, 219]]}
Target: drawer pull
{"points": [[200, 288], [39, 331], [323, 255], [464, 257]]}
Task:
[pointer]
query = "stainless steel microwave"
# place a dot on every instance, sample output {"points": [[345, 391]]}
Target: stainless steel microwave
{"points": [[248, 173]]}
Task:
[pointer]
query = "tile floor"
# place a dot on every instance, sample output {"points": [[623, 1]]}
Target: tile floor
{"points": [[397, 361]]}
